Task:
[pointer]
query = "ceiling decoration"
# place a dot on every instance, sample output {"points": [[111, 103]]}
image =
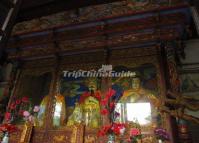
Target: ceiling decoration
{"points": [[127, 31], [92, 13]]}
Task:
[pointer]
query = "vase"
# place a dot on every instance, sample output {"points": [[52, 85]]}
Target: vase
{"points": [[5, 138], [160, 141], [111, 138]]}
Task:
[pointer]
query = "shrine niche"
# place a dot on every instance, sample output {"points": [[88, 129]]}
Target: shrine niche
{"points": [[140, 92], [35, 88], [83, 102]]}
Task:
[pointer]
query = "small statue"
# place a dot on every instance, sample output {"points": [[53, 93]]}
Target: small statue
{"points": [[91, 112], [76, 116]]}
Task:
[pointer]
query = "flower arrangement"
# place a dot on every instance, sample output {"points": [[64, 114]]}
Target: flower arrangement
{"points": [[115, 128], [16, 109], [135, 135], [31, 114], [8, 128], [161, 134], [108, 109], [20, 108]]}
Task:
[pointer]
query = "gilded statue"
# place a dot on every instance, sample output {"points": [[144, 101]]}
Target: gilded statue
{"points": [[76, 117], [137, 92], [59, 113], [41, 114], [60, 110], [87, 109]]}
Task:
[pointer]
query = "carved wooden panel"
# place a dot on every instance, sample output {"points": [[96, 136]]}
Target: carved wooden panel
{"points": [[15, 137], [38, 136], [91, 136], [58, 136]]}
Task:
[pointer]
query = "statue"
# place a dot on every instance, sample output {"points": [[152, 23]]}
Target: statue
{"points": [[76, 116], [137, 92], [59, 113], [41, 114], [91, 111], [87, 110]]}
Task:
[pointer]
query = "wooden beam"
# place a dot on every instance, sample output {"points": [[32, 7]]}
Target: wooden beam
{"points": [[9, 23], [53, 6]]}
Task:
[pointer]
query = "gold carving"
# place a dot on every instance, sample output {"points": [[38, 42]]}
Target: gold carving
{"points": [[74, 134], [26, 133], [90, 139], [59, 138]]}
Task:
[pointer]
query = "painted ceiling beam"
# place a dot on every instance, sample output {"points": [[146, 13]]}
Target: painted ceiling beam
{"points": [[112, 20], [37, 8]]}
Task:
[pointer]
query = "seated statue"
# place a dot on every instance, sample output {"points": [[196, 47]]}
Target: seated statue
{"points": [[137, 92], [87, 110], [76, 117], [91, 110]]}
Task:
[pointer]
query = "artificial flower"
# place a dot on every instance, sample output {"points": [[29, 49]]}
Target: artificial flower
{"points": [[20, 112], [26, 114], [36, 109], [104, 111], [7, 116], [135, 132], [98, 95], [161, 134], [116, 114], [112, 105], [8, 128], [25, 99], [12, 106], [110, 93], [18, 101], [104, 101]]}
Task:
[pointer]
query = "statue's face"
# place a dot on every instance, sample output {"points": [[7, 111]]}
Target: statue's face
{"points": [[135, 83], [92, 84], [92, 87]]}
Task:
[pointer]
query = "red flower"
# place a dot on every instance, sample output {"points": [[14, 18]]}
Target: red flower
{"points": [[134, 132], [112, 105], [8, 116], [18, 101], [3, 128], [25, 99], [104, 130], [98, 95], [8, 128], [104, 112], [11, 128], [12, 106], [110, 93], [116, 130], [104, 101]]}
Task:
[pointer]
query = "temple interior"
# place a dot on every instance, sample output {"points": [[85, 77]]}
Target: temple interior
{"points": [[106, 71]]}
